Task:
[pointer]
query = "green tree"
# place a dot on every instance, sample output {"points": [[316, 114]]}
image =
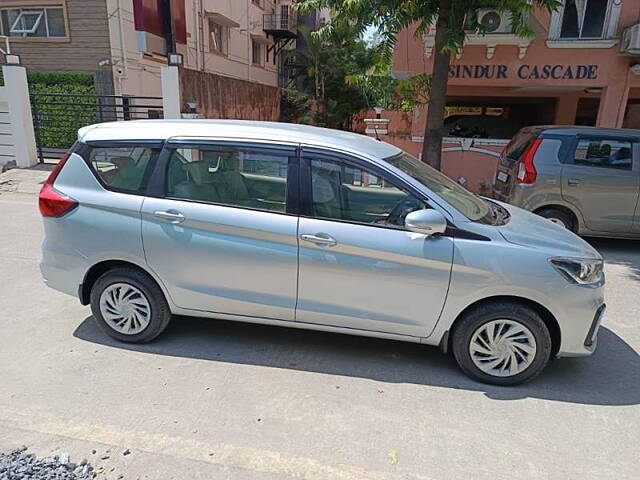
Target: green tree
{"points": [[452, 23], [324, 69]]}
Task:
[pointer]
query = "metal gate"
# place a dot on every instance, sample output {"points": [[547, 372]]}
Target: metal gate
{"points": [[58, 116]]}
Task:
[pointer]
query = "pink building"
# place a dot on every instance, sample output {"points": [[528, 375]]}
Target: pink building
{"points": [[582, 66]]}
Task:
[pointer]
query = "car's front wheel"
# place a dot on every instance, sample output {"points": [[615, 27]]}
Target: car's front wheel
{"points": [[502, 343], [129, 306]]}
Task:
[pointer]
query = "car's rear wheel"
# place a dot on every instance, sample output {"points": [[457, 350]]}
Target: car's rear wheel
{"points": [[502, 343], [129, 306], [559, 217]]}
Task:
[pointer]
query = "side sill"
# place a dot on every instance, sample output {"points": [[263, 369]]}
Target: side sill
{"points": [[299, 325]]}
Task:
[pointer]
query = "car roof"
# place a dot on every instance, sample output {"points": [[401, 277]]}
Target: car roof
{"points": [[577, 129], [238, 129]]}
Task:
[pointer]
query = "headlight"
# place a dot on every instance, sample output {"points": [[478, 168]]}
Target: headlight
{"points": [[583, 271]]}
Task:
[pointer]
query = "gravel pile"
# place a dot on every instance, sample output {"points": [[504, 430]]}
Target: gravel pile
{"points": [[20, 465]]}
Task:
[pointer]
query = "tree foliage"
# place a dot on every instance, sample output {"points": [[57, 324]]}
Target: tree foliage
{"points": [[323, 72], [389, 17], [452, 23]]}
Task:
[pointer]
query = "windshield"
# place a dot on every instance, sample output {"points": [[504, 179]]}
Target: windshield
{"points": [[470, 205]]}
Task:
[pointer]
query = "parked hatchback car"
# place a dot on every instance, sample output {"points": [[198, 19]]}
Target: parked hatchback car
{"points": [[311, 228], [585, 179]]}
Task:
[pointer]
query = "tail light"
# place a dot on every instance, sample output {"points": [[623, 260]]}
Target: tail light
{"points": [[51, 202], [526, 169]]}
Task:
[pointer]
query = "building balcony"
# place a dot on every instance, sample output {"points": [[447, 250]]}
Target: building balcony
{"points": [[281, 23]]}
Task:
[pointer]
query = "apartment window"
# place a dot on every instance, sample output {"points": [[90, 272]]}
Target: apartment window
{"points": [[257, 2], [584, 19], [43, 22], [217, 37], [284, 17], [256, 53]]}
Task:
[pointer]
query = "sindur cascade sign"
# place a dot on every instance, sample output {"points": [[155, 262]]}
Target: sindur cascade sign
{"points": [[525, 72]]}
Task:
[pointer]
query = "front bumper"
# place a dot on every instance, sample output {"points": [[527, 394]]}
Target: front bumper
{"points": [[592, 335], [581, 320]]}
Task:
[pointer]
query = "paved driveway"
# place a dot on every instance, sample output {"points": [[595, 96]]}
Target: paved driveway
{"points": [[214, 399]]}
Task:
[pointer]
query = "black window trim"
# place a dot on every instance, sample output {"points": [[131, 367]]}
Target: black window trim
{"points": [[157, 187], [83, 149]]}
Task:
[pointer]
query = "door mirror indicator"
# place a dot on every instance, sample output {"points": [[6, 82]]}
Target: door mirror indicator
{"points": [[429, 222]]}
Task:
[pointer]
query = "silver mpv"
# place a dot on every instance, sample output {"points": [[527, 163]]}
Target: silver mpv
{"points": [[311, 228]]}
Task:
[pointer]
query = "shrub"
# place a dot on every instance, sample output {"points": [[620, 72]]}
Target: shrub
{"points": [[60, 78], [60, 117]]}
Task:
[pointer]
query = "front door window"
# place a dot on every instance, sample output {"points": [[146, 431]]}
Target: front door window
{"points": [[341, 191]]}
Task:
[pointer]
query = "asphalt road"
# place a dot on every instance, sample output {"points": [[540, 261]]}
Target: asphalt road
{"points": [[214, 399]]}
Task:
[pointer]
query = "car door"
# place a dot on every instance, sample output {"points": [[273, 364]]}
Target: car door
{"points": [[219, 227], [359, 268], [602, 180]]}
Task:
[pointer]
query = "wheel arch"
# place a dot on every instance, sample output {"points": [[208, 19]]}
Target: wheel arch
{"points": [[97, 270], [547, 317], [570, 210]]}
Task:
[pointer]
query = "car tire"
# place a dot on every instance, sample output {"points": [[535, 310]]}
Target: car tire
{"points": [[520, 334], [560, 217], [129, 306]]}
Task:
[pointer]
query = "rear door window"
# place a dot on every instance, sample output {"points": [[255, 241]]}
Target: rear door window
{"points": [[604, 153], [124, 169], [239, 177]]}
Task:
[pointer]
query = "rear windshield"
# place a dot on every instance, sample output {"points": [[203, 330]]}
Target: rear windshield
{"points": [[519, 143]]}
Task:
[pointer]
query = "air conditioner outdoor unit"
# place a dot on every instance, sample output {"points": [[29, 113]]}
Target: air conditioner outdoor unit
{"points": [[631, 40], [493, 21]]}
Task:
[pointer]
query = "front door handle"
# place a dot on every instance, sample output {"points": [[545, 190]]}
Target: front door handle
{"points": [[173, 216], [573, 182], [319, 239]]}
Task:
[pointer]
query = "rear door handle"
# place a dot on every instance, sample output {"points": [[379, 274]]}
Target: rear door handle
{"points": [[173, 216], [573, 182], [319, 239]]}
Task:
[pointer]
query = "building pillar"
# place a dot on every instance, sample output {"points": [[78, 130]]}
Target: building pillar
{"points": [[419, 123], [24, 138], [566, 109], [171, 97], [613, 103]]}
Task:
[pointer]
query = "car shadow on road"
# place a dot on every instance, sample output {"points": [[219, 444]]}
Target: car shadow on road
{"points": [[620, 252], [611, 376]]}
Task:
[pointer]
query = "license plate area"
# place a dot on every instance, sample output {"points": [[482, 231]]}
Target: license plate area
{"points": [[502, 177]]}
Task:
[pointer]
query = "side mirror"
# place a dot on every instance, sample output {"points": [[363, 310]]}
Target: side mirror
{"points": [[428, 222]]}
